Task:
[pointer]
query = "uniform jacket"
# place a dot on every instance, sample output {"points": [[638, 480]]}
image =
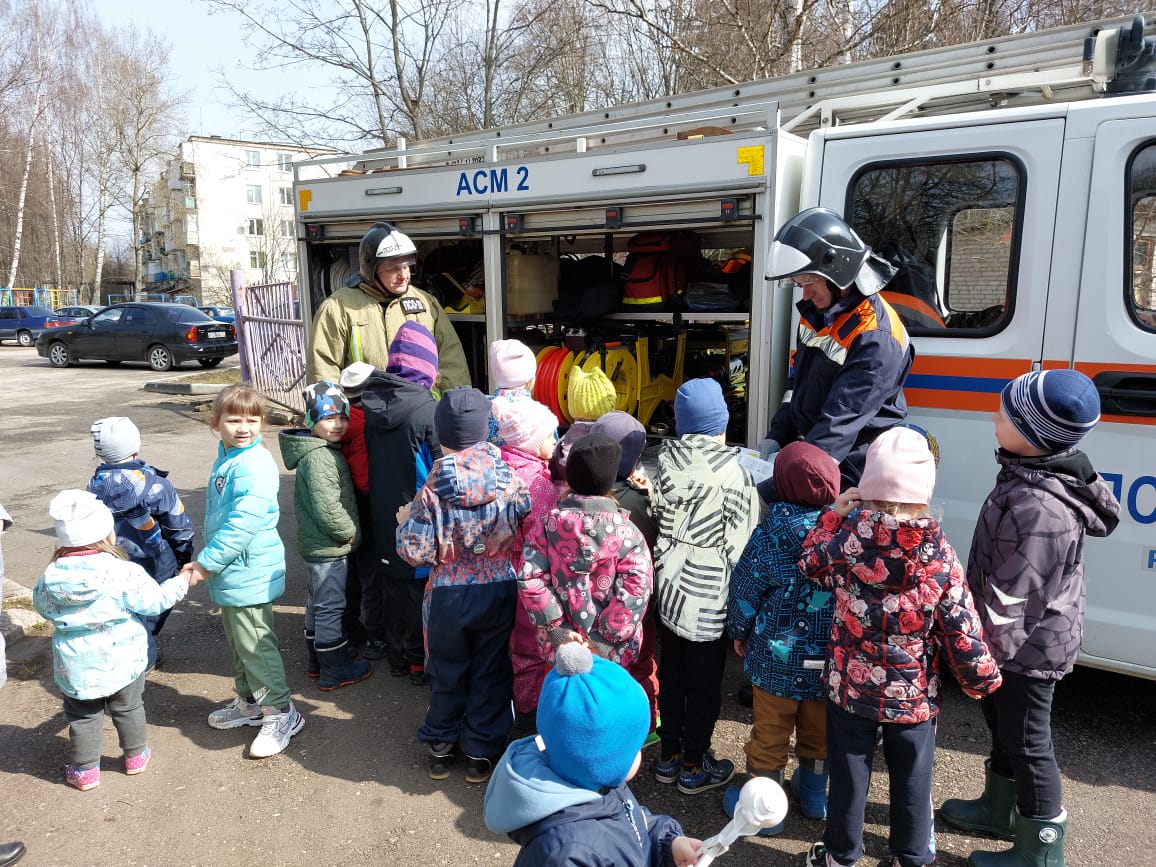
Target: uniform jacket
{"points": [[151, 524], [323, 496], [352, 326], [901, 603], [402, 446], [847, 381], [464, 520], [784, 618], [99, 646], [353, 448], [243, 553], [1026, 566], [706, 508], [588, 570], [558, 824]]}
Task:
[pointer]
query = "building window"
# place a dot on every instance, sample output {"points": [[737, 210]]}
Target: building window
{"points": [[286, 228], [285, 195], [253, 194], [285, 162], [950, 227], [253, 159], [256, 227], [256, 259]]}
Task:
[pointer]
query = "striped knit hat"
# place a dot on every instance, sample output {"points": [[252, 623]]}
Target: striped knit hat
{"points": [[1052, 409], [590, 395], [413, 355]]}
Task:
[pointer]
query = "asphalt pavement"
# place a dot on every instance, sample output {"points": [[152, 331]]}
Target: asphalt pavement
{"points": [[351, 789]]}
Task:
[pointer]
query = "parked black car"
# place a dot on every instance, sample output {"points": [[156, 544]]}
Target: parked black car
{"points": [[164, 335], [24, 324]]}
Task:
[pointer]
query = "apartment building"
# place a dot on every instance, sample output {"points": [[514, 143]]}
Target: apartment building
{"points": [[219, 205]]}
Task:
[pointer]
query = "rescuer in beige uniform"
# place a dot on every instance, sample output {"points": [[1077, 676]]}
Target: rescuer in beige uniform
{"points": [[358, 323]]}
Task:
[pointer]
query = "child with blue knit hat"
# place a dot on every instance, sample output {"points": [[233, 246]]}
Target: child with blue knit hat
{"points": [[1026, 571], [706, 507], [327, 531], [562, 796]]}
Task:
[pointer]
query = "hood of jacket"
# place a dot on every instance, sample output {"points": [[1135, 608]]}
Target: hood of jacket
{"points": [[389, 400], [524, 464], [470, 478], [890, 543], [686, 462], [1068, 476], [524, 790], [296, 444], [75, 588]]}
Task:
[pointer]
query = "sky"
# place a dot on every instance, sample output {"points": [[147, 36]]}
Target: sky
{"points": [[201, 43]]}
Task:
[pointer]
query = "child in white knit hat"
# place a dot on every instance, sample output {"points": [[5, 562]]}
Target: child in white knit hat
{"points": [[94, 597]]}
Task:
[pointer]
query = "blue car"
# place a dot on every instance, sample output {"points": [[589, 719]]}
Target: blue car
{"points": [[25, 324], [221, 314]]}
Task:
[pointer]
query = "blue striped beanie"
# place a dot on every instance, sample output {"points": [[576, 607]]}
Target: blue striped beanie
{"points": [[1052, 409]]}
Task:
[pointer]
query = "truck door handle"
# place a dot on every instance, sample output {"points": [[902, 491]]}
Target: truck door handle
{"points": [[1123, 393]]}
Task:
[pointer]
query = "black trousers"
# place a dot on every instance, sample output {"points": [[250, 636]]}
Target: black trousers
{"points": [[403, 630], [1019, 716], [363, 603], [909, 751], [689, 692]]}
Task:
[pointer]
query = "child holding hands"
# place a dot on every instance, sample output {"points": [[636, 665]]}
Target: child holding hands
{"points": [[901, 604], [94, 596], [243, 562]]}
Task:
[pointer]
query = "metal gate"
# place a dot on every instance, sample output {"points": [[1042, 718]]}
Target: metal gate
{"points": [[271, 341]]}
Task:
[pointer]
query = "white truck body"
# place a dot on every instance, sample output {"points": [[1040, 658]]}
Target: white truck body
{"points": [[1033, 225]]}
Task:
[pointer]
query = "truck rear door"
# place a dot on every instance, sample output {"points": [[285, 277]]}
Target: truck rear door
{"points": [[1115, 344], [966, 209]]}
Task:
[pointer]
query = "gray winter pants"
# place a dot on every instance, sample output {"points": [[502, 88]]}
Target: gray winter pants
{"points": [[86, 723]]}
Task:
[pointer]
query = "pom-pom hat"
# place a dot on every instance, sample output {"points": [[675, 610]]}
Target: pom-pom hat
{"points": [[1052, 409], [79, 518], [115, 439], [512, 364], [899, 469], [322, 400], [592, 719]]}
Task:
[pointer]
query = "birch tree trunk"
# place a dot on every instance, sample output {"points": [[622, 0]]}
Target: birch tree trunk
{"points": [[18, 234]]}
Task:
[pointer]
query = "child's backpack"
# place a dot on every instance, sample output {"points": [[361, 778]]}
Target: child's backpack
{"points": [[659, 266]]}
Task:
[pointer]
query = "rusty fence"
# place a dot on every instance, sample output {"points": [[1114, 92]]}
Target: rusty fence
{"points": [[271, 338]]}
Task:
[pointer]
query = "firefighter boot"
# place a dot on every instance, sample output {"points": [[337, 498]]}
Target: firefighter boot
{"points": [[1038, 843], [993, 812]]}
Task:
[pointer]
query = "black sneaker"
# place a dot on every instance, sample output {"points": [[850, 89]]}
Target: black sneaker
{"points": [[478, 770], [667, 769], [710, 774], [417, 675], [398, 669], [817, 856], [373, 649], [441, 756]]}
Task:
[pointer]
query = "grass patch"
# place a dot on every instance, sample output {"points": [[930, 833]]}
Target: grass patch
{"points": [[228, 376], [24, 602]]}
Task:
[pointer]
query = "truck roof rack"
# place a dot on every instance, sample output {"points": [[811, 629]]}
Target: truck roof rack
{"points": [[1068, 63]]}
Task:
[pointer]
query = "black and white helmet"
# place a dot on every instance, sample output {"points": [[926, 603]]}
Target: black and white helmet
{"points": [[818, 241], [382, 241]]}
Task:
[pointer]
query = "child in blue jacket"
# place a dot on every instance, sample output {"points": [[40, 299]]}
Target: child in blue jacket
{"points": [[562, 795], [780, 623], [243, 562], [95, 598]]}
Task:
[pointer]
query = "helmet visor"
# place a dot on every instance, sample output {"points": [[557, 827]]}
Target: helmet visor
{"points": [[787, 261]]}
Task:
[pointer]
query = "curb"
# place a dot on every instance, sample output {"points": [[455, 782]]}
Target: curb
{"points": [[18, 623], [183, 387]]}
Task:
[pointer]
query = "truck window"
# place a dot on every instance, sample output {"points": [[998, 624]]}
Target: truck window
{"points": [[949, 227], [1140, 296]]}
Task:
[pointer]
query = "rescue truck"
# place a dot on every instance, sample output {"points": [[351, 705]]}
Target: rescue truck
{"points": [[1012, 182]]}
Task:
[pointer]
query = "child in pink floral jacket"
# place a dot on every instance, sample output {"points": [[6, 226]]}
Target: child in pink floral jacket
{"points": [[588, 574]]}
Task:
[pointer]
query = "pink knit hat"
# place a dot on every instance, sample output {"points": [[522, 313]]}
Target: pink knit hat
{"points": [[900, 468], [522, 424], [512, 364]]}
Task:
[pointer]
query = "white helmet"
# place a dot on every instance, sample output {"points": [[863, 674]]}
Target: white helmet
{"points": [[382, 241]]}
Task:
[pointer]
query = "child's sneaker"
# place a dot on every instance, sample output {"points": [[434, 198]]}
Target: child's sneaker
{"points": [[818, 856], [83, 780], [276, 730], [667, 769], [237, 713], [478, 770], [133, 765], [710, 774], [373, 649], [441, 756], [417, 675]]}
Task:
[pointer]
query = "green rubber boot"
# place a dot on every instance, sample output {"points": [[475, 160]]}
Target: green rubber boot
{"points": [[993, 812], [1039, 843]]}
